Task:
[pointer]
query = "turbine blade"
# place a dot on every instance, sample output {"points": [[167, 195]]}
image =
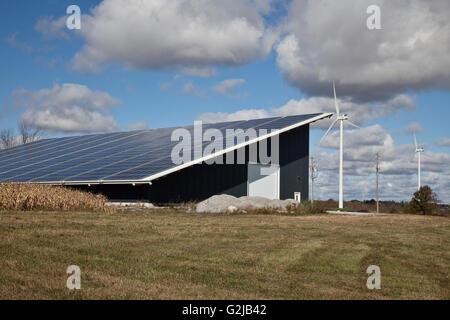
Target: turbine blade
{"points": [[335, 100], [331, 126], [415, 140], [352, 124]]}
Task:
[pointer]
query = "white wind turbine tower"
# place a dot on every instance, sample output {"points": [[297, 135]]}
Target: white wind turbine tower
{"points": [[341, 118], [419, 150]]}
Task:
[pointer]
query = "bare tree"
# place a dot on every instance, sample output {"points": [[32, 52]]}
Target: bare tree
{"points": [[28, 133], [6, 138]]}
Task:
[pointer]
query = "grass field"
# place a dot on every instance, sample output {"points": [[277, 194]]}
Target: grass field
{"points": [[172, 255]]}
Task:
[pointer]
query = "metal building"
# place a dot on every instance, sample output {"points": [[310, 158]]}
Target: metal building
{"points": [[139, 165]]}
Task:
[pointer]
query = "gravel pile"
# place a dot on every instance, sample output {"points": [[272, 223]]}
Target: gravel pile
{"points": [[228, 204]]}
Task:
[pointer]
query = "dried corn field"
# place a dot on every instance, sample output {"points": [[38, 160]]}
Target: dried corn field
{"points": [[28, 197]]}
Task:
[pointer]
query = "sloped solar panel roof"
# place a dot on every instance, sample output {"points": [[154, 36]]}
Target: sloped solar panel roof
{"points": [[120, 157]]}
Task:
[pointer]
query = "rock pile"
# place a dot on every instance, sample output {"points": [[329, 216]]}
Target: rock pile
{"points": [[228, 204]]}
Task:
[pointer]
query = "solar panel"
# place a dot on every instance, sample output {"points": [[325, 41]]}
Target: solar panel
{"points": [[52, 154], [128, 156]]}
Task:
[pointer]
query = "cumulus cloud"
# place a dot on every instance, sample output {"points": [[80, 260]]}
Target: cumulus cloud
{"points": [[443, 142], [414, 127], [191, 36], [226, 86], [398, 188], [198, 71], [211, 117], [67, 108], [398, 166], [361, 146], [13, 42], [140, 125], [190, 89], [316, 42], [51, 28], [328, 40], [359, 112], [373, 136], [169, 84]]}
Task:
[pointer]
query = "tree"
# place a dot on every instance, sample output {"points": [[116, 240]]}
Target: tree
{"points": [[28, 133], [425, 201], [6, 138]]}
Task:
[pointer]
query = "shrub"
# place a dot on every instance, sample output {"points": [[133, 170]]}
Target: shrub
{"points": [[424, 201], [28, 197], [306, 207]]}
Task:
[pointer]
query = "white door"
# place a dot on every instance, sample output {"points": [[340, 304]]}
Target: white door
{"points": [[263, 181]]}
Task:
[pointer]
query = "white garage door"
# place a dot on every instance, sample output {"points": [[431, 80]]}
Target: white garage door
{"points": [[263, 181]]}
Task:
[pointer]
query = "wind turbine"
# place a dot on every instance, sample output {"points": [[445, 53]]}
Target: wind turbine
{"points": [[419, 150], [341, 118], [313, 177]]}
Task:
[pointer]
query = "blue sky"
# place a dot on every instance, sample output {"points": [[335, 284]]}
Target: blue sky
{"points": [[153, 89], [138, 90]]}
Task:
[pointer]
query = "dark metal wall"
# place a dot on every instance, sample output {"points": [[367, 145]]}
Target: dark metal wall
{"points": [[202, 181], [199, 182], [122, 192], [294, 163]]}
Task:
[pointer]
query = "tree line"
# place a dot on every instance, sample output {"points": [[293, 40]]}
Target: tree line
{"points": [[26, 134]]}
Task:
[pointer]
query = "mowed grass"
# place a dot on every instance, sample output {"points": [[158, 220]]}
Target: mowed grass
{"points": [[169, 255]]}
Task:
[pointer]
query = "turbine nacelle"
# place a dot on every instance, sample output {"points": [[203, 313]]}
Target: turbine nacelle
{"points": [[418, 147]]}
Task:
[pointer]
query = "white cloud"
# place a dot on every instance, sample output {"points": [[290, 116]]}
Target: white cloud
{"points": [[226, 86], [190, 89], [15, 43], [169, 84], [198, 71], [328, 40], [318, 41], [67, 108], [211, 117], [51, 28], [359, 112], [398, 166], [414, 127], [140, 125], [191, 36], [373, 136], [444, 142]]}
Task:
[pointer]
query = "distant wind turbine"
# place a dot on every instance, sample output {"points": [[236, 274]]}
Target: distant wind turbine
{"points": [[341, 118], [419, 150]]}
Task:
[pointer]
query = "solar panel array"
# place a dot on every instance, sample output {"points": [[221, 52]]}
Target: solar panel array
{"points": [[128, 156]]}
